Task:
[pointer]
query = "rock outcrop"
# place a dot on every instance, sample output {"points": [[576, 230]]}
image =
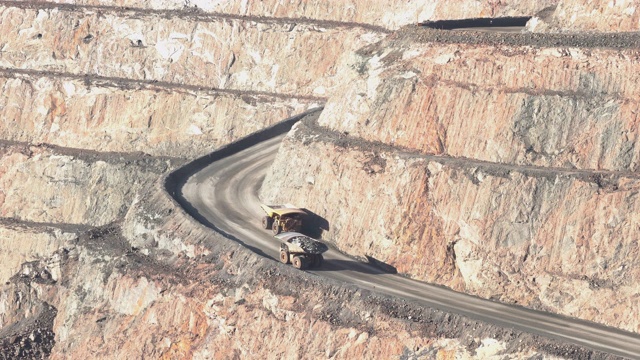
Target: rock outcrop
{"points": [[69, 74], [250, 54], [389, 15], [226, 301], [158, 120], [23, 242], [56, 185], [569, 106], [583, 15], [100, 99], [505, 171]]}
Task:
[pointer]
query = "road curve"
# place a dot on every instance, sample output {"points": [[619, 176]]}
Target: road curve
{"points": [[225, 194]]}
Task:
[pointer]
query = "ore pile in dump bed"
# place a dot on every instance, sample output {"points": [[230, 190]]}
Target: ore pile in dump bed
{"points": [[309, 245]]}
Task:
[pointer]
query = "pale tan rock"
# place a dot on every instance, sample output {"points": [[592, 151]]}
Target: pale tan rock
{"points": [[180, 123], [583, 15], [115, 302], [561, 243], [24, 243], [519, 105], [276, 57], [388, 14], [555, 240], [40, 185]]}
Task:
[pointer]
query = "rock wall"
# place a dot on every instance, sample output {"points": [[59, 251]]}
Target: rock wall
{"points": [[217, 52], [165, 84], [390, 14], [508, 104], [26, 242], [583, 15], [113, 300], [103, 115], [556, 241], [503, 171], [169, 79], [40, 184]]}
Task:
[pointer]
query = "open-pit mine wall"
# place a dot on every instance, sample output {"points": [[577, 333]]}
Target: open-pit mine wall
{"points": [[97, 104], [22, 242], [556, 106], [52, 185], [171, 86], [110, 300], [585, 15], [48, 195], [505, 169], [172, 80], [391, 14]]}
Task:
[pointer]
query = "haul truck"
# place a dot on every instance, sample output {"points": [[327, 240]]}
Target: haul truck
{"points": [[300, 250], [282, 218]]}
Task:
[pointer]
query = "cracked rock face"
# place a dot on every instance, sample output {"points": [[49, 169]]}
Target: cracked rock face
{"points": [[103, 264], [110, 300], [71, 187], [221, 53], [543, 106], [391, 14], [110, 117], [117, 80], [584, 15], [21, 243], [504, 171]]}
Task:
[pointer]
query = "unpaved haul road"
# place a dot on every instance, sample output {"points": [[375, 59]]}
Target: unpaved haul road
{"points": [[225, 193]]}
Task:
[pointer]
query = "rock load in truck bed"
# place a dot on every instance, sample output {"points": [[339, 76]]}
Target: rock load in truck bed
{"points": [[300, 243]]}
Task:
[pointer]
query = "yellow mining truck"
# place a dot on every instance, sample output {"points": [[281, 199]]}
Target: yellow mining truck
{"points": [[300, 250], [282, 218]]}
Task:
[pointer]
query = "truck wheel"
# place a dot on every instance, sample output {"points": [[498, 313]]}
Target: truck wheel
{"points": [[267, 222], [276, 227], [299, 262], [317, 260], [284, 257]]}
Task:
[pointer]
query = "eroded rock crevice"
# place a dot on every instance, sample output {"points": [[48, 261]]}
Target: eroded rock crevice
{"points": [[460, 143]]}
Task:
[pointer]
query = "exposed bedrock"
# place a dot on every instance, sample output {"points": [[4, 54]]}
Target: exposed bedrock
{"points": [[114, 302], [24, 242], [529, 105], [119, 115], [389, 14], [552, 239], [453, 197], [55, 185], [506, 171], [26, 321], [233, 302], [585, 15], [282, 57]]}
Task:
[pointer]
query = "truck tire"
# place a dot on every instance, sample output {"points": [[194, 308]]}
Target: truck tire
{"points": [[267, 222], [299, 262], [284, 257], [276, 227], [317, 260]]}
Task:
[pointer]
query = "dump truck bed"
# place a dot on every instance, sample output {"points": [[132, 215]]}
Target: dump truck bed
{"points": [[300, 243], [281, 210]]}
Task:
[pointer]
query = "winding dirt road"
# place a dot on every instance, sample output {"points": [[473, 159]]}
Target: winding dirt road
{"points": [[225, 193]]}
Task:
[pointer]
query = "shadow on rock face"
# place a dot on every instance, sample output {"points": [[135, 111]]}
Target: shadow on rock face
{"points": [[314, 224], [514, 21]]}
